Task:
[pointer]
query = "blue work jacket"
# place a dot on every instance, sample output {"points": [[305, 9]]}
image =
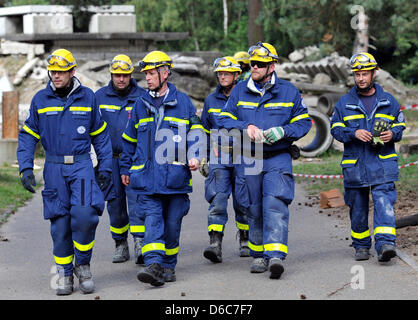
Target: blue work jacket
{"points": [[362, 164], [278, 104], [65, 126], [116, 109], [157, 144]]}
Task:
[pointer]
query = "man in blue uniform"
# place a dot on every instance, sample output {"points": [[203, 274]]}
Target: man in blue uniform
{"points": [[115, 102], [272, 113], [156, 163], [65, 118], [220, 182], [368, 121]]}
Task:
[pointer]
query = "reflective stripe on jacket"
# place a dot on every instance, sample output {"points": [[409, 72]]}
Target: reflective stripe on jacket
{"points": [[363, 165]]}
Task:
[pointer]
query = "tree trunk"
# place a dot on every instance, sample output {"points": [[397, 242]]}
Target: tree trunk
{"points": [[360, 23], [255, 32], [225, 18]]}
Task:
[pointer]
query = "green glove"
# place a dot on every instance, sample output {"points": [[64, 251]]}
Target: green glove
{"points": [[378, 128], [273, 134]]}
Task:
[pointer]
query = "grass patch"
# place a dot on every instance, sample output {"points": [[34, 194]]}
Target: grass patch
{"points": [[12, 193], [330, 165]]}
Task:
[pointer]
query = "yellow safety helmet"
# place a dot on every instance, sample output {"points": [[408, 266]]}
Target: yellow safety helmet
{"points": [[227, 64], [242, 56], [263, 52], [121, 64], [362, 61], [61, 60], [155, 59]]}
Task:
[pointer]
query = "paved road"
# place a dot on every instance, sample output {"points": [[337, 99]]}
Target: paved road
{"points": [[320, 264]]}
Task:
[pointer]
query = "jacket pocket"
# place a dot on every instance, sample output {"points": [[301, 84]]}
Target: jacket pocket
{"points": [[137, 175], [52, 204], [351, 171], [390, 166], [284, 187], [178, 176]]}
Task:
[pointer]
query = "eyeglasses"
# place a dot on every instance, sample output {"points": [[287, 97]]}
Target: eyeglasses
{"points": [[259, 64], [59, 61], [362, 60], [119, 64], [261, 51]]}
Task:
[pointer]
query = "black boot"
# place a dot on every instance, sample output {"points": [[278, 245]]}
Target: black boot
{"points": [[152, 274], [214, 251], [244, 250]]}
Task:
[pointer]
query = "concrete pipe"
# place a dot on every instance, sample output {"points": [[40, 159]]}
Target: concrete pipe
{"points": [[327, 101], [322, 139]]}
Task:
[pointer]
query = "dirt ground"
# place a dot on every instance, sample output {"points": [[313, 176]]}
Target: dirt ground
{"points": [[406, 205]]}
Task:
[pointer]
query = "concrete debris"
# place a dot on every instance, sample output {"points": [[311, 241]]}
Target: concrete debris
{"points": [[14, 47], [25, 70]]}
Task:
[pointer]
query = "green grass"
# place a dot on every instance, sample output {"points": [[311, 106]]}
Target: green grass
{"points": [[12, 193], [330, 165]]}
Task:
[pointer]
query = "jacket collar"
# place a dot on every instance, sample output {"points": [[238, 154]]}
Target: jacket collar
{"points": [[50, 87], [170, 100], [267, 86]]}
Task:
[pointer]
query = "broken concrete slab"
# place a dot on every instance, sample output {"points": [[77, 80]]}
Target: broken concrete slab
{"points": [[15, 47]]}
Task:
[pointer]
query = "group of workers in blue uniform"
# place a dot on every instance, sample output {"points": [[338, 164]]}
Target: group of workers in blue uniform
{"points": [[147, 143]]}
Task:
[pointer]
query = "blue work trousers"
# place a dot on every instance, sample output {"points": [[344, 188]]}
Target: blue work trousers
{"points": [[163, 217], [218, 187], [72, 202], [384, 197]]}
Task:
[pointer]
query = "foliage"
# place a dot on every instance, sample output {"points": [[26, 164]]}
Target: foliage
{"points": [[288, 25]]}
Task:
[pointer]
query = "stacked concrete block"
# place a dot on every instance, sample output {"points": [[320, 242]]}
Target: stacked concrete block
{"points": [[112, 23], [41, 23]]}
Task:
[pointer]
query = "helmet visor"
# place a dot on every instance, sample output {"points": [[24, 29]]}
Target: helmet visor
{"points": [[360, 61], [59, 61], [260, 51], [119, 64]]}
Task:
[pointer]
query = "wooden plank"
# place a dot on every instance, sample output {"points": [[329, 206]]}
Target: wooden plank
{"points": [[10, 114]]}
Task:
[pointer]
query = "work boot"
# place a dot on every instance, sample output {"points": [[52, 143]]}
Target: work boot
{"points": [[259, 265], [386, 253], [65, 285], [169, 275], [83, 273], [214, 251], [244, 250], [152, 274], [362, 254], [139, 259], [121, 251], [276, 268]]}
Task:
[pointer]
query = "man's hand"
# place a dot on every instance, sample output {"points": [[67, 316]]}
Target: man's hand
{"points": [[255, 133], [273, 134], [194, 164], [363, 135], [386, 136], [125, 180], [103, 180], [28, 179]]}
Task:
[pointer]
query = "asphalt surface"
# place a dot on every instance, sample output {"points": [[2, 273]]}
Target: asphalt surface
{"points": [[320, 264]]}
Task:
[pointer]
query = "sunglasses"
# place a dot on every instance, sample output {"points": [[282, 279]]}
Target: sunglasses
{"points": [[259, 64]]}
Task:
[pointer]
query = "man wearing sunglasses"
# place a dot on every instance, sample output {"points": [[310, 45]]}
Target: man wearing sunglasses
{"points": [[221, 176], [156, 164], [368, 121], [272, 113], [65, 118], [115, 102]]}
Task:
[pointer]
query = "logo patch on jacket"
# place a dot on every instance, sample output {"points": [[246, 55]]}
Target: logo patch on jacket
{"points": [[81, 129]]}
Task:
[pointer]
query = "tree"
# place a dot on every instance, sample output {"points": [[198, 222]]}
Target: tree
{"points": [[255, 31]]}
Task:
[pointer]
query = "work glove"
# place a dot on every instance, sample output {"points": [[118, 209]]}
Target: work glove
{"points": [[273, 134], [378, 128], [103, 180], [204, 168], [28, 179]]}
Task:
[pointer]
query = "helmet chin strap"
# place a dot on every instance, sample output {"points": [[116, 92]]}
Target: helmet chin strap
{"points": [[261, 81], [368, 88], [154, 93]]}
